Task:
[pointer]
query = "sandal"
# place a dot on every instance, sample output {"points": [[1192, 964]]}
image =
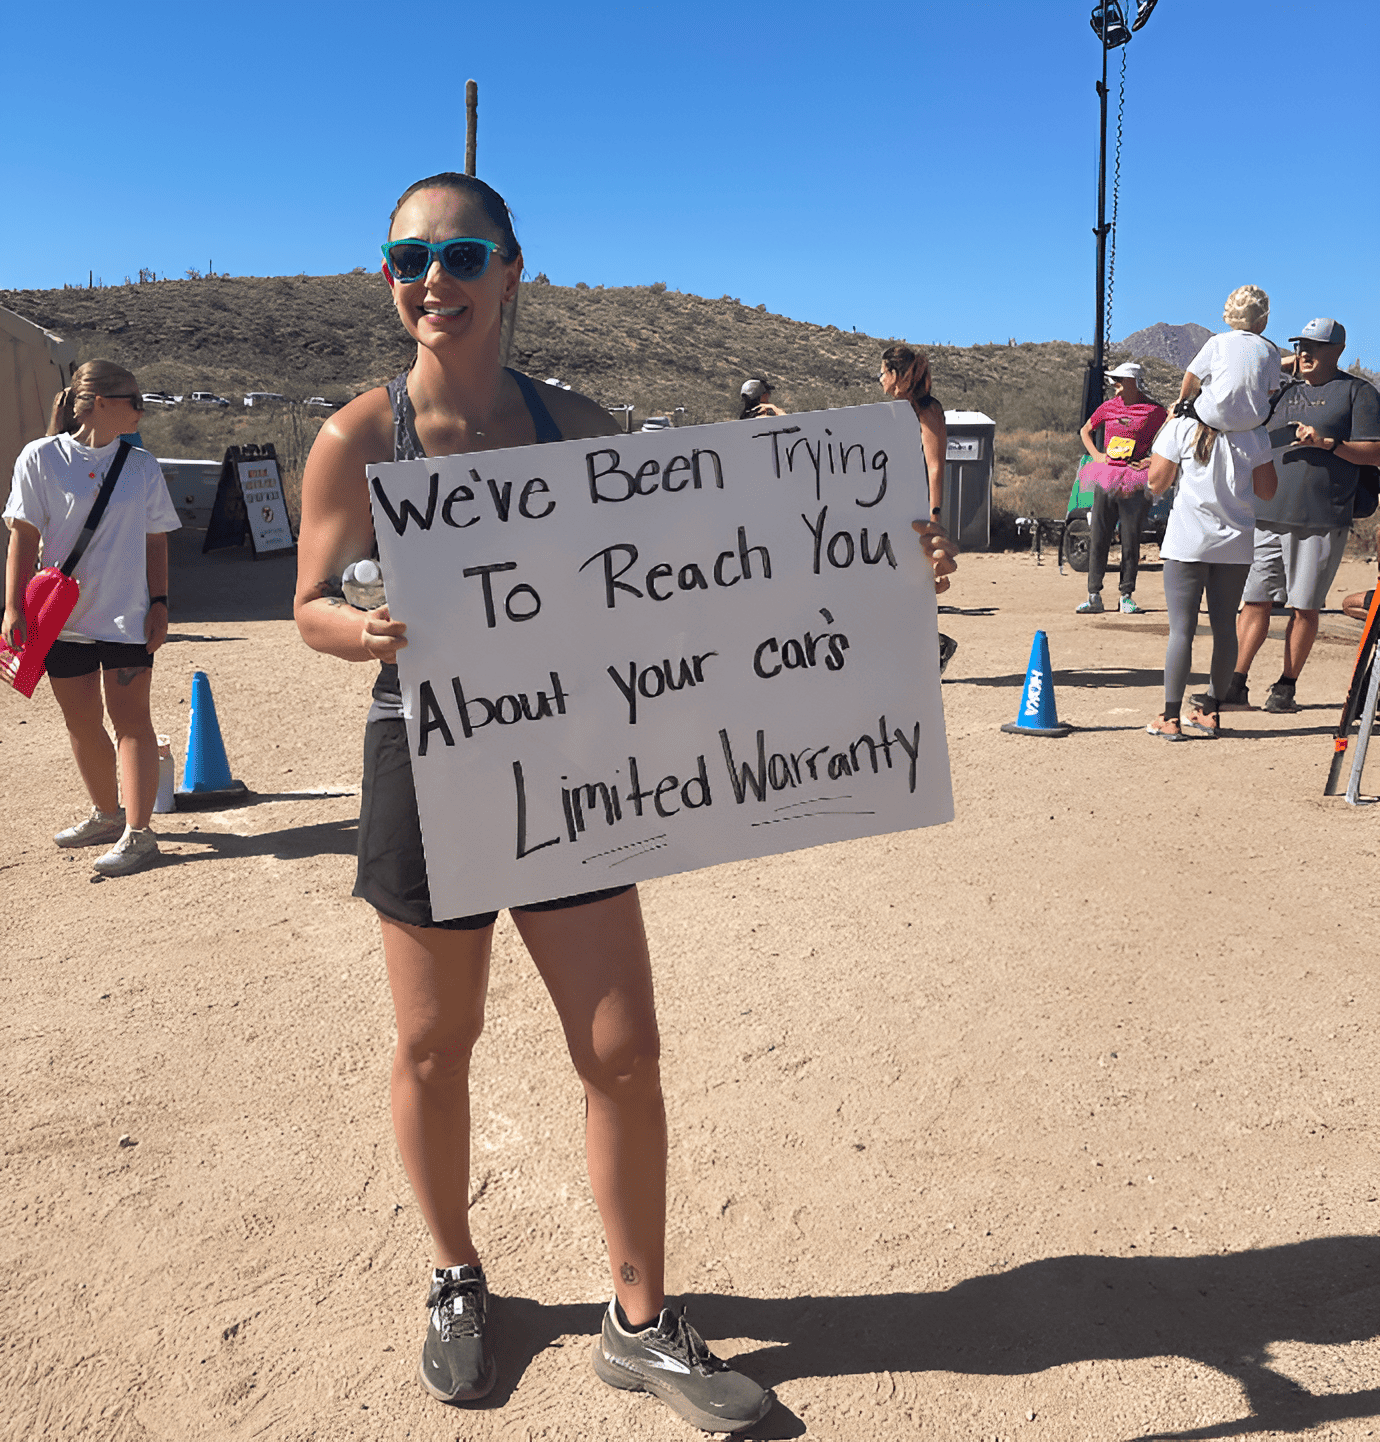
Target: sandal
{"points": [[1160, 727], [1208, 722]]}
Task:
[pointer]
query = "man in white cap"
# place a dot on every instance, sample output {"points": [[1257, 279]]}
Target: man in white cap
{"points": [[1323, 431], [1117, 473]]}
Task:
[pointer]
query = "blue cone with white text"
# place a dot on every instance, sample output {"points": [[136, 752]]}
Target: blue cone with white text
{"points": [[206, 772], [1038, 715]]}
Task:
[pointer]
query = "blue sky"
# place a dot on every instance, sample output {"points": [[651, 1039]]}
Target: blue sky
{"points": [[924, 170]]}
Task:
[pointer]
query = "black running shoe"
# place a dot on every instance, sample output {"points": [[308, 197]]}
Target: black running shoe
{"points": [[670, 1360], [457, 1361], [1281, 698]]}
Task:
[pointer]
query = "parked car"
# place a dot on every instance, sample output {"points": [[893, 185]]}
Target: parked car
{"points": [[208, 398], [161, 398], [656, 423], [265, 398], [320, 402], [1078, 524]]}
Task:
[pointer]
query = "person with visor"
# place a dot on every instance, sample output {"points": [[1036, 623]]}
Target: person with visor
{"points": [[1130, 421]]}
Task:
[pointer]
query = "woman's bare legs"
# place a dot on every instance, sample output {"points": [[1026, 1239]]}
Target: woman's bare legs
{"points": [[594, 962], [439, 980], [127, 701], [80, 700]]}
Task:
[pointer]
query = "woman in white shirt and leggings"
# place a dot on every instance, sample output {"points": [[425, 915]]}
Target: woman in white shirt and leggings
{"points": [[1207, 548]]}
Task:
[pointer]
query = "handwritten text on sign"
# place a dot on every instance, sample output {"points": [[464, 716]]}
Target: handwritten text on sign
{"points": [[636, 655]]}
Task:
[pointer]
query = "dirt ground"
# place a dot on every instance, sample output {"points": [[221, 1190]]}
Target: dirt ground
{"points": [[1047, 1124]]}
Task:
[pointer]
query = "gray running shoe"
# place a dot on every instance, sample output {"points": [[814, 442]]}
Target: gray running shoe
{"points": [[670, 1360], [457, 1360], [1281, 698], [134, 851], [99, 829], [1091, 607]]}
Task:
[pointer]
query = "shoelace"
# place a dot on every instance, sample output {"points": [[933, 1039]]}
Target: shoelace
{"points": [[691, 1347], [462, 1315]]}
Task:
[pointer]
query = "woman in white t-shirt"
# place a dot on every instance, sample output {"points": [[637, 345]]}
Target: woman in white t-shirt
{"points": [[1208, 545], [121, 616]]}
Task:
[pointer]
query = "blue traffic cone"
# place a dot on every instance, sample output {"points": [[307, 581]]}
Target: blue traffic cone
{"points": [[206, 773], [1037, 715]]}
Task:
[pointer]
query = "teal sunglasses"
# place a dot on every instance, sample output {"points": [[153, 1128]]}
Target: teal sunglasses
{"points": [[465, 257]]}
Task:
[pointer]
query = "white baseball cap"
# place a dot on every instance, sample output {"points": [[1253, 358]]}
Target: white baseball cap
{"points": [[1127, 370]]}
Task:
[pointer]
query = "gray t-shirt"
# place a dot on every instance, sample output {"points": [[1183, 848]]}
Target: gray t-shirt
{"points": [[1316, 488]]}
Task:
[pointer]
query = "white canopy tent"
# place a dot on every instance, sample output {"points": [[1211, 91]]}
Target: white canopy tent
{"points": [[34, 367]]}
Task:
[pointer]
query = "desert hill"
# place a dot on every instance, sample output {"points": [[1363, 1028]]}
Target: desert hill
{"points": [[1176, 344], [647, 346]]}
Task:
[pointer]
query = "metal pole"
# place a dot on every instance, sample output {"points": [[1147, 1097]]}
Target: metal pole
{"points": [[1092, 392], [1358, 761], [472, 120]]}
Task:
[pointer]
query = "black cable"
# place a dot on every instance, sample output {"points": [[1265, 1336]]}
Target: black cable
{"points": [[1116, 193]]}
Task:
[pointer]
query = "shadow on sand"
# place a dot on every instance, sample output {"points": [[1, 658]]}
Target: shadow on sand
{"points": [[1110, 677], [227, 585], [295, 843], [1224, 1312]]}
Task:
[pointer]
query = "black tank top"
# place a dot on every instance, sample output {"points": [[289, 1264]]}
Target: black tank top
{"points": [[407, 446]]}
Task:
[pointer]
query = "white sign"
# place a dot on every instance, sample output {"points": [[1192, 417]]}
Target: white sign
{"points": [[642, 654], [964, 448], [263, 503]]}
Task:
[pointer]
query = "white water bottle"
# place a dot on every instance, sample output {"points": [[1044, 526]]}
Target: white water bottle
{"points": [[166, 800]]}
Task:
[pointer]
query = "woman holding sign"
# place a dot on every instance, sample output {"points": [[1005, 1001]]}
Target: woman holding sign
{"points": [[452, 263]]}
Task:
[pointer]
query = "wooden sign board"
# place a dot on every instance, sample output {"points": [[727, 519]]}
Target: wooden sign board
{"points": [[643, 654]]}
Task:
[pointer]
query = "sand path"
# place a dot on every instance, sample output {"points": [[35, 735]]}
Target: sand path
{"points": [[1047, 1124]]}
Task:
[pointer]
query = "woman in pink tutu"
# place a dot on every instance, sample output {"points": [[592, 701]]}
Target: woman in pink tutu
{"points": [[1117, 473]]}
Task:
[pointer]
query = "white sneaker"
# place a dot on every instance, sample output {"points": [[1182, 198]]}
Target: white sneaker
{"points": [[99, 829], [132, 852], [1091, 607]]}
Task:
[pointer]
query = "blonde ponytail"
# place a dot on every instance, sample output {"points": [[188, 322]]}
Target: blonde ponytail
{"points": [[95, 378], [1203, 443]]}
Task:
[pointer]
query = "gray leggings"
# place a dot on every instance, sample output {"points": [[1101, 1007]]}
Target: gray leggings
{"points": [[1184, 584]]}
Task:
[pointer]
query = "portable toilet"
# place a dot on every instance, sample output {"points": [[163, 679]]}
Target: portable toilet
{"points": [[967, 509]]}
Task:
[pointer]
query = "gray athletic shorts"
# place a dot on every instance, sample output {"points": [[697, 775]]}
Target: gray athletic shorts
{"points": [[1293, 568]]}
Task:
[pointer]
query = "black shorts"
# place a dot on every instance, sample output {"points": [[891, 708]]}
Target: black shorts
{"points": [[391, 873], [82, 658]]}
